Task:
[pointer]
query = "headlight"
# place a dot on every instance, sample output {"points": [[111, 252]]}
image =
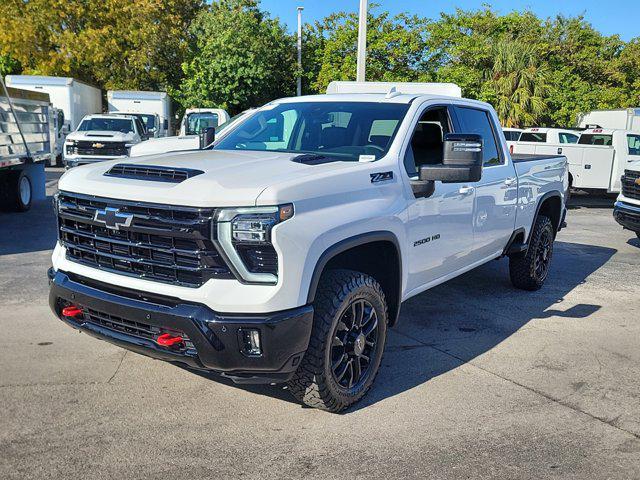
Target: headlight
{"points": [[244, 237], [70, 147]]}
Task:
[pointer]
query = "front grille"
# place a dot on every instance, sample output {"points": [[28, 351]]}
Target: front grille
{"points": [[131, 327], [630, 188], [152, 173], [163, 243], [98, 148]]}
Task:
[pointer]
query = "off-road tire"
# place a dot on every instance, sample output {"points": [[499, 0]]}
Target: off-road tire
{"points": [[314, 383], [522, 266]]}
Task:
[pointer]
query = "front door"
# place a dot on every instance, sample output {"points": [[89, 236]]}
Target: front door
{"points": [[440, 227]]}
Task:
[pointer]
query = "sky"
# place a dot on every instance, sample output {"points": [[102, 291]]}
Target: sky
{"points": [[610, 17]]}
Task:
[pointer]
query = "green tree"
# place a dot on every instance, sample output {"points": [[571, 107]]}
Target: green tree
{"points": [[239, 58], [396, 48], [517, 84], [135, 44]]}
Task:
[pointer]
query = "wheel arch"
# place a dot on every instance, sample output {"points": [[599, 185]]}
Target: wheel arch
{"points": [[550, 204], [356, 253]]}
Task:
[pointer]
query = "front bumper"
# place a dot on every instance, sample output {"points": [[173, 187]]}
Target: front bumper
{"points": [[214, 339], [627, 215]]}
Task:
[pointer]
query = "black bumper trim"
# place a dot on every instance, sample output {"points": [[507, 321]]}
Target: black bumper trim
{"points": [[284, 335], [627, 215]]}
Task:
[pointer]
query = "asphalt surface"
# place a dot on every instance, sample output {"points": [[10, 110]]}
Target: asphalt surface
{"points": [[479, 380]]}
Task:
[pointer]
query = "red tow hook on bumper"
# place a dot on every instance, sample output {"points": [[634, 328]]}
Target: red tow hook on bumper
{"points": [[168, 340], [71, 311]]}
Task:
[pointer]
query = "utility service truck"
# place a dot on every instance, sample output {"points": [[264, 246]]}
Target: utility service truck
{"points": [[597, 161], [27, 142], [155, 108], [282, 252]]}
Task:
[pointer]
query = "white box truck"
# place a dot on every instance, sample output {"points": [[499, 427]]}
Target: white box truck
{"points": [[155, 107], [27, 139], [619, 119], [72, 97]]}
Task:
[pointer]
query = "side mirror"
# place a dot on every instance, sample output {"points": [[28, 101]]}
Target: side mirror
{"points": [[461, 162], [207, 136]]}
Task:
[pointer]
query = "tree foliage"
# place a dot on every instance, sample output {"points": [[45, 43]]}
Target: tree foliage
{"points": [[231, 53], [239, 58], [113, 43]]}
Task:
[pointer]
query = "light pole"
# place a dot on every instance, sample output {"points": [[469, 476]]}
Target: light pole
{"points": [[362, 41], [299, 91]]}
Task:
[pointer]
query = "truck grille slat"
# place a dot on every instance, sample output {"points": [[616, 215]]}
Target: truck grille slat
{"points": [[163, 243], [630, 188], [99, 147]]}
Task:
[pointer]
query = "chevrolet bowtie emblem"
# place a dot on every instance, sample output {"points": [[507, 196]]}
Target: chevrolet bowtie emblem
{"points": [[112, 218], [98, 145], [637, 181]]}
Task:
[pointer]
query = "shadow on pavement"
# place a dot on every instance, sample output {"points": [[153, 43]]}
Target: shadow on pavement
{"points": [[462, 319], [590, 200], [31, 231]]}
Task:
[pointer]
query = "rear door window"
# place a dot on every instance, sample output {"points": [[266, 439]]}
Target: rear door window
{"points": [[533, 137], [473, 120]]}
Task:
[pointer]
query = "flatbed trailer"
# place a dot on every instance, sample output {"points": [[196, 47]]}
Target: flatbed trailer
{"points": [[27, 143]]}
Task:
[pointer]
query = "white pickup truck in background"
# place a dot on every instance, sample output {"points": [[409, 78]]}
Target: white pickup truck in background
{"points": [[103, 137], [626, 210], [531, 137], [597, 161], [282, 252]]}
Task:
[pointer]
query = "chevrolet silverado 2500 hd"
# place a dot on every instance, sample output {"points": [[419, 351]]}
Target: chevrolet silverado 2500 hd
{"points": [[283, 252]]}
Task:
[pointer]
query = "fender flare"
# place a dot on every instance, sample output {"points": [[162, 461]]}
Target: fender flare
{"points": [[347, 244], [544, 198]]}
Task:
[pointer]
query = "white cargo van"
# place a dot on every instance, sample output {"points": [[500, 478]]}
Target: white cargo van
{"points": [[154, 106], [622, 119], [597, 161]]}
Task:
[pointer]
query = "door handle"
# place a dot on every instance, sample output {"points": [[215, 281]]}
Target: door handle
{"points": [[466, 190], [510, 181]]}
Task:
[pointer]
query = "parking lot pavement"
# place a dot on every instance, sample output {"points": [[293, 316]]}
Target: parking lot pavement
{"points": [[479, 380]]}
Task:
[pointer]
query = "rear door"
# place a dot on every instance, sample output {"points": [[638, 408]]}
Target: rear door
{"points": [[496, 193]]}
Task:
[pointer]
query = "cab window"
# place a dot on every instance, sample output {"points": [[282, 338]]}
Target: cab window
{"points": [[634, 144], [533, 137], [473, 120], [568, 138], [595, 139], [426, 143]]}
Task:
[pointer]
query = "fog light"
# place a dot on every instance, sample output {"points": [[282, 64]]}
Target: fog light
{"points": [[250, 342]]}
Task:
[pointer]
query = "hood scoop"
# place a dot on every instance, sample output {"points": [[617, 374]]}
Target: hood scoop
{"points": [[99, 135], [152, 173]]}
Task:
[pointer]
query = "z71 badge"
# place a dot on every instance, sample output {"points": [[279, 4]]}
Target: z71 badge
{"points": [[381, 177]]}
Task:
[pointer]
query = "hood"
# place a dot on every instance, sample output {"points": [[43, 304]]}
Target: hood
{"points": [[155, 146], [101, 136], [229, 178]]}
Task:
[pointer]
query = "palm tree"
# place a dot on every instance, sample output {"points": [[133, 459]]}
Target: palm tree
{"points": [[517, 84]]}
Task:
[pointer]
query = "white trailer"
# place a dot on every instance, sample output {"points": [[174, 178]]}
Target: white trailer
{"points": [[619, 119], [27, 142], [154, 106]]}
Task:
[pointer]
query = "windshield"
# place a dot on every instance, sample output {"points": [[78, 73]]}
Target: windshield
{"points": [[123, 125], [342, 130], [196, 122]]}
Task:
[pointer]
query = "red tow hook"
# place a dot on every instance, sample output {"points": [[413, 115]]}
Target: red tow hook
{"points": [[71, 311], [168, 340]]}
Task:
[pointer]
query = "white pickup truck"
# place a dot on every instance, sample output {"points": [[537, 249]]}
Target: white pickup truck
{"points": [[627, 207], [103, 137], [283, 252]]}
